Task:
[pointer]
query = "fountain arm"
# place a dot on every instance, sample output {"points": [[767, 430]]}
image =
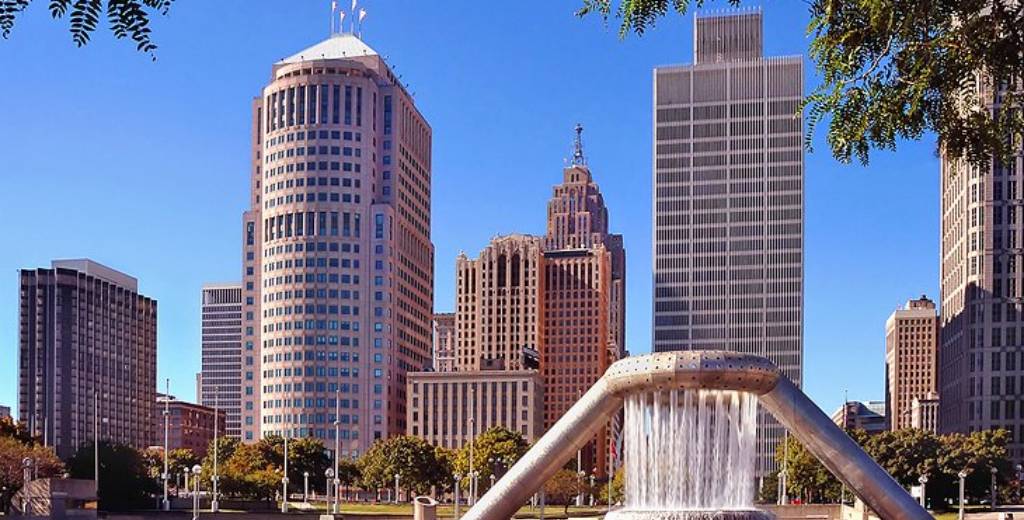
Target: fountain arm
{"points": [[549, 454], [837, 451]]}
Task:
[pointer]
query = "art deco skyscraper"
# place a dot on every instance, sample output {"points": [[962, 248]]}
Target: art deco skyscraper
{"points": [[981, 361], [87, 356], [728, 201], [338, 263], [220, 382]]}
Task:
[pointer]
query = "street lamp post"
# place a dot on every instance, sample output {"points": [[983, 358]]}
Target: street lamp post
{"points": [[458, 478], [923, 479], [593, 477], [167, 431], [579, 487], [305, 487], [994, 472], [397, 478], [962, 474], [337, 445], [185, 472], [329, 475], [195, 495], [215, 503], [472, 441], [284, 479]]}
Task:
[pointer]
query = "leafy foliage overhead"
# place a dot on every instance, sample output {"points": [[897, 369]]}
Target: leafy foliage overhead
{"points": [[895, 69], [126, 18]]}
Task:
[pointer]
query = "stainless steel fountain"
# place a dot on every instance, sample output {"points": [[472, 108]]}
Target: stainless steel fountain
{"points": [[689, 449]]}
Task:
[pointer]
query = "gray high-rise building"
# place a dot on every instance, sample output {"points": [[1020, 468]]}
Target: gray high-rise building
{"points": [[728, 202], [87, 356], [981, 344], [220, 382]]}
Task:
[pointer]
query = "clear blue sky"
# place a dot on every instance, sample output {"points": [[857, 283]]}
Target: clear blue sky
{"points": [[144, 166]]}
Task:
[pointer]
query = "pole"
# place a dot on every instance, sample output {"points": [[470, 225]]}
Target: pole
{"points": [[195, 496], [96, 444], [472, 441], [167, 429], [458, 514], [284, 479], [397, 477], [215, 503], [923, 479], [305, 487], [960, 513], [337, 445]]}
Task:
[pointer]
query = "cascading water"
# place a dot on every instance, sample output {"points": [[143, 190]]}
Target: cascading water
{"points": [[689, 454]]}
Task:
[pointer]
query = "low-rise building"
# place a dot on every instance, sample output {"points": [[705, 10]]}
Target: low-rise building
{"points": [[5, 412], [924, 412], [856, 415], [191, 425], [449, 408]]}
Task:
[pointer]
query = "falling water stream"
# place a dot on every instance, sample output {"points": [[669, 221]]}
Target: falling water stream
{"points": [[689, 454]]}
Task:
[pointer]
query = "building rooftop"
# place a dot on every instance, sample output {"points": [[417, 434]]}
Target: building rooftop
{"points": [[338, 46], [98, 270]]}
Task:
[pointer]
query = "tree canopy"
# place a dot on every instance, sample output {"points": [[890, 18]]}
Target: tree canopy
{"points": [[125, 479], [412, 458], [13, 450], [494, 451], [907, 455], [895, 69], [126, 18]]}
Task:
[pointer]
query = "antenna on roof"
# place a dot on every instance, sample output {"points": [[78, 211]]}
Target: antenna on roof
{"points": [[577, 154]]}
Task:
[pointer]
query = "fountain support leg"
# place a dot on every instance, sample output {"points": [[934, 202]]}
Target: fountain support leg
{"points": [[837, 452], [547, 456]]}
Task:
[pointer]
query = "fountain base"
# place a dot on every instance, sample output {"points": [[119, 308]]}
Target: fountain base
{"points": [[741, 514]]}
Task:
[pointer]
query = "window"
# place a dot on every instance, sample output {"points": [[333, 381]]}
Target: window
{"points": [[336, 103]]}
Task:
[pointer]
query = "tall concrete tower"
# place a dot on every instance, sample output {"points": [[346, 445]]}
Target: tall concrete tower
{"points": [[337, 259], [981, 362], [728, 201]]}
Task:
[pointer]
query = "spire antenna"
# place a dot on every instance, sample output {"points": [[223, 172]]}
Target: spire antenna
{"points": [[577, 155]]}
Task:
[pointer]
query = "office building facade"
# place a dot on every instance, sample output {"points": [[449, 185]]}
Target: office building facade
{"points": [[868, 416], [981, 361], [728, 202], [87, 356], [449, 409], [911, 359], [337, 259], [190, 426], [220, 382]]}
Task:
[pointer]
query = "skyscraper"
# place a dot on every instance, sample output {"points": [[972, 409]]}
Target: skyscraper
{"points": [[220, 382], [980, 358], [87, 356], [556, 301], [911, 360], [728, 202], [338, 263], [498, 305]]}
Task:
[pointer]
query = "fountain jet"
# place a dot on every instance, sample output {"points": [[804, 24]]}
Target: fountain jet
{"points": [[716, 415]]}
